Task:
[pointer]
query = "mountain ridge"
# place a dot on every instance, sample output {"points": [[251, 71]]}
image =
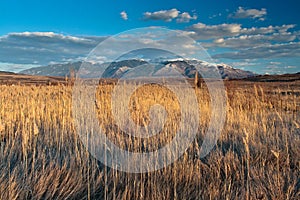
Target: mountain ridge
{"points": [[117, 69], [11, 78]]}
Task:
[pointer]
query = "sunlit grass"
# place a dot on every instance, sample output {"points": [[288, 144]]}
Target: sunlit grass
{"points": [[257, 155]]}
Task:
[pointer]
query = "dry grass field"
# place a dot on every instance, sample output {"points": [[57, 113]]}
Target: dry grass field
{"points": [[256, 157]]}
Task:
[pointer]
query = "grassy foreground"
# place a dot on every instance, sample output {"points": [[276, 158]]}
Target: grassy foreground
{"points": [[257, 155]]}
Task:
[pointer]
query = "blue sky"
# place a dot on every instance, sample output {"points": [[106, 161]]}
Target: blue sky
{"points": [[261, 36]]}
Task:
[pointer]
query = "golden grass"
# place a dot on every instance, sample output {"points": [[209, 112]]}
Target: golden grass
{"points": [[257, 155]]}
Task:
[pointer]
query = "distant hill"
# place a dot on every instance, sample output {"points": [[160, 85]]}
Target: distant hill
{"points": [[275, 78], [53, 70], [6, 73], [10, 78], [118, 69]]}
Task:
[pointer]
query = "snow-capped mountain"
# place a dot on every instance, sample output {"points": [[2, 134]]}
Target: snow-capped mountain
{"points": [[185, 67]]}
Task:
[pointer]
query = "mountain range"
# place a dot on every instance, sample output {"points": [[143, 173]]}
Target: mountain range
{"points": [[186, 67]]}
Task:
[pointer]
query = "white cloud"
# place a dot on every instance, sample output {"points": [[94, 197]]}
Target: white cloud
{"points": [[185, 17], [202, 31], [247, 41], [291, 49], [269, 29], [41, 34], [49, 35], [43, 47], [124, 15], [242, 13], [236, 37], [165, 15], [169, 15]]}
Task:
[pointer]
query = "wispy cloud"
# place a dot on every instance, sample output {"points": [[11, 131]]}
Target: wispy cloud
{"points": [[243, 13], [124, 15], [215, 15]]}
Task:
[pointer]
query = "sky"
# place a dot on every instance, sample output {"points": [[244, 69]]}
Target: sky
{"points": [[255, 35]]}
